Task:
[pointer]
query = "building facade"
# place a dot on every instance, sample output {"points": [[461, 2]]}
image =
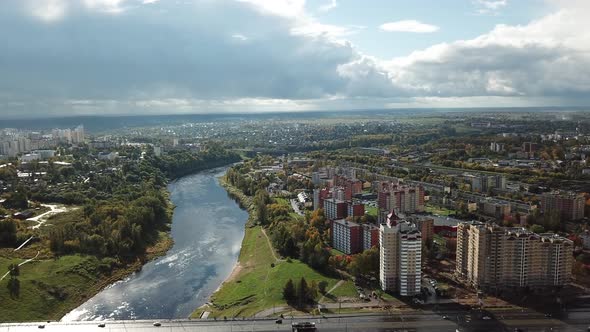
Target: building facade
{"points": [[370, 236], [404, 199], [400, 257], [335, 209], [346, 236], [491, 257], [569, 205]]}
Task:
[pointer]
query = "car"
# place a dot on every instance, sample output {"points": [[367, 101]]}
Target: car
{"points": [[303, 326], [101, 325], [486, 318], [279, 321], [157, 324], [41, 326], [445, 317], [547, 315]]}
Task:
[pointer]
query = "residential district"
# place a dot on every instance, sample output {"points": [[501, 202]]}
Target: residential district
{"points": [[483, 210]]}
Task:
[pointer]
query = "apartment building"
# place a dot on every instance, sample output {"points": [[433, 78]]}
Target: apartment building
{"points": [[347, 236], [370, 236], [569, 205], [335, 209], [491, 257], [484, 183], [404, 199], [400, 257]]}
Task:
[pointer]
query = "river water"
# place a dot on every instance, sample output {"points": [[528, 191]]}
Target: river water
{"points": [[207, 228]]}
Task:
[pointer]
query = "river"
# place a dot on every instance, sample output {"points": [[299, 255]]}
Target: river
{"points": [[207, 229]]}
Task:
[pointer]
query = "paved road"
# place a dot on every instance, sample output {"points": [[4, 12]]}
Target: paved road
{"points": [[462, 320]]}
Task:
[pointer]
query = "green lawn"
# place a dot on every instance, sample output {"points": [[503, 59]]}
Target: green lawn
{"points": [[371, 210], [347, 289], [258, 286], [282, 201], [439, 210]]}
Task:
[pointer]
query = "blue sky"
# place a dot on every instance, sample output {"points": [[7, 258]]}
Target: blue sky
{"points": [[456, 19], [93, 57]]}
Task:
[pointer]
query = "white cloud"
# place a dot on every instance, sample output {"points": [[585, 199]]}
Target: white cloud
{"points": [[110, 6], [547, 57], [285, 8], [490, 6], [239, 37], [316, 29], [48, 10], [332, 4], [408, 26], [56, 10]]}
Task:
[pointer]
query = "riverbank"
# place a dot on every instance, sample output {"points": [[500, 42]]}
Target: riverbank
{"points": [[257, 281], [246, 202], [51, 286]]}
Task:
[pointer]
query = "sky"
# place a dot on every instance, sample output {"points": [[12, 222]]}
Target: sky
{"points": [[125, 57]]}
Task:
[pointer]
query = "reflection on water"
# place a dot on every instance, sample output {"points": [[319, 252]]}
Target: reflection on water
{"points": [[207, 228]]}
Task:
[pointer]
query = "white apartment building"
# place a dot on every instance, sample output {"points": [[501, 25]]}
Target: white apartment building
{"points": [[400, 257]]}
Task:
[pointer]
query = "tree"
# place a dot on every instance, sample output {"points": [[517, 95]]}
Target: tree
{"points": [[13, 282], [322, 286], [289, 291], [302, 292], [312, 291], [17, 200], [7, 233], [537, 229]]}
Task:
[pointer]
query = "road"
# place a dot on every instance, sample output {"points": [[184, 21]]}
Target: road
{"points": [[357, 323], [462, 320]]}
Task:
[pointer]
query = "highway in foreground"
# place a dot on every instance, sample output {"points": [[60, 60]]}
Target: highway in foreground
{"points": [[446, 320]]}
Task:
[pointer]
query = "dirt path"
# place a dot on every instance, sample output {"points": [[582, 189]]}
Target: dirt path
{"points": [[42, 218], [272, 250], [21, 264], [338, 284]]}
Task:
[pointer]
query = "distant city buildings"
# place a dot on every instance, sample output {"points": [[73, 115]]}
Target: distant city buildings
{"points": [[484, 183], [570, 206], [491, 257], [497, 147], [16, 142], [401, 198]]}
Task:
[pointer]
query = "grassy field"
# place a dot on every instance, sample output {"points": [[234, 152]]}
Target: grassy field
{"points": [[282, 201], [258, 285], [439, 211], [371, 210], [51, 288], [347, 289]]}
